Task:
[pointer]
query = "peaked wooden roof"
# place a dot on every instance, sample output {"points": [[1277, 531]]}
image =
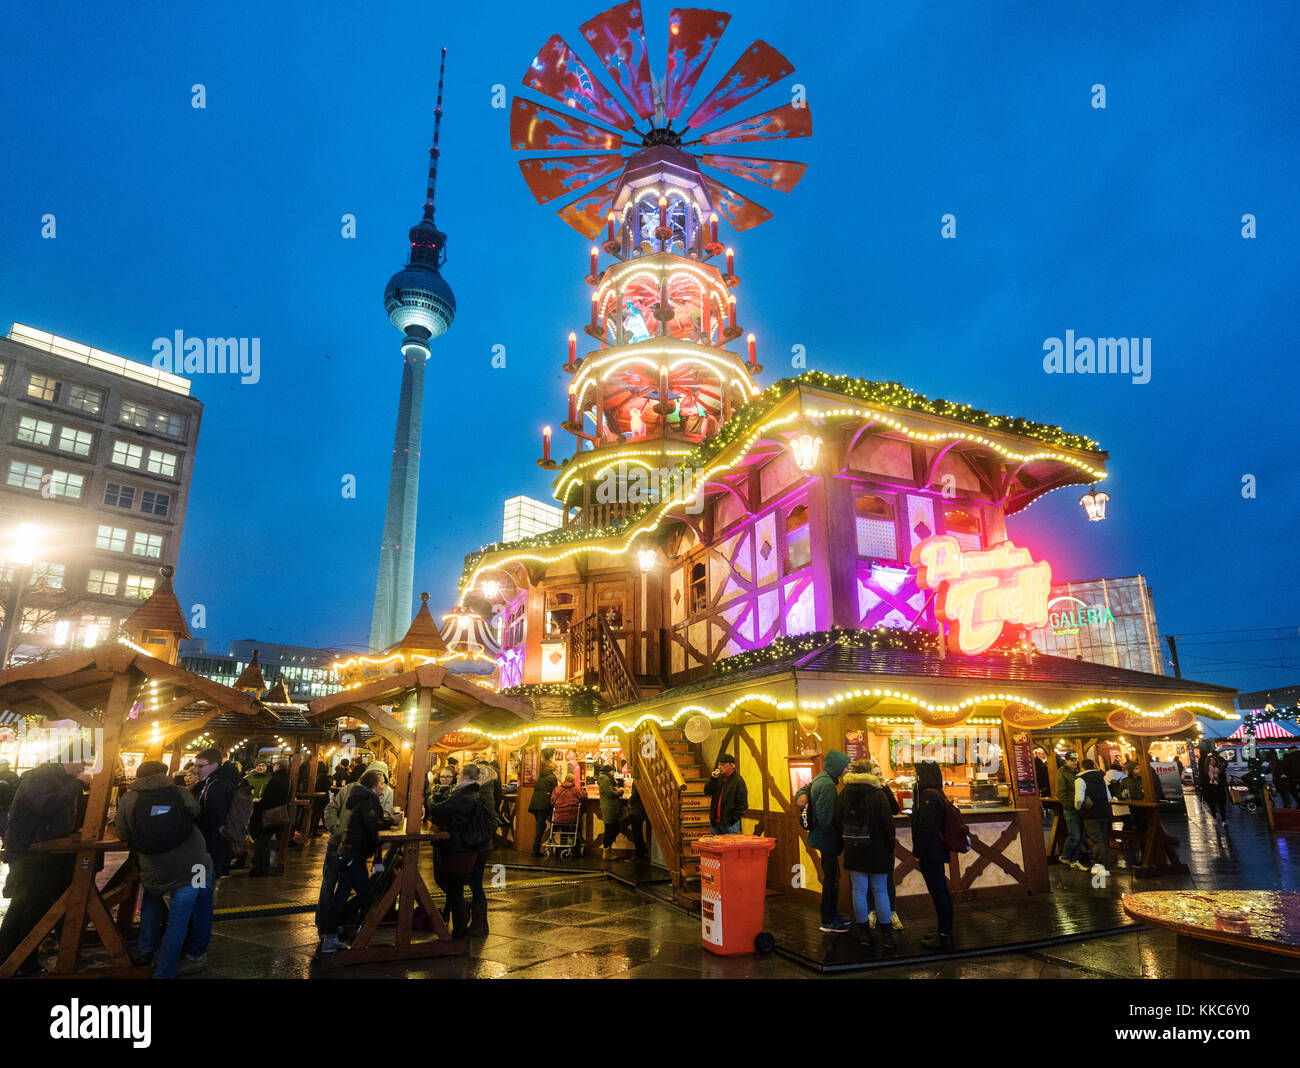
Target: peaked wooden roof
{"points": [[423, 635], [160, 610], [251, 677], [278, 694]]}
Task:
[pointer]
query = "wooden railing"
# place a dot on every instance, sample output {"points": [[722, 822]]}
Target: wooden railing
{"points": [[660, 784], [596, 656]]}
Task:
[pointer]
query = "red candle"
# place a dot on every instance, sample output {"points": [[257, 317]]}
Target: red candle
{"points": [[663, 211], [752, 358], [731, 262], [595, 321], [731, 311], [713, 227], [573, 347], [594, 254], [546, 443], [611, 227], [573, 402]]}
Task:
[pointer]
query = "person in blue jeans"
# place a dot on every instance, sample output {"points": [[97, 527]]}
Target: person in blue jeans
{"points": [[866, 828], [728, 796], [156, 818], [1065, 777]]}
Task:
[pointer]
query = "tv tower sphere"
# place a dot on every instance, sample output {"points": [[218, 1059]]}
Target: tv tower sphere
{"points": [[418, 300]]}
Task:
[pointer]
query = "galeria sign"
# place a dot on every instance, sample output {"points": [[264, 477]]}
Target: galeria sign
{"points": [[981, 589]]}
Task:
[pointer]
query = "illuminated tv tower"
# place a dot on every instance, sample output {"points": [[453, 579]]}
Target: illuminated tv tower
{"points": [[421, 305]]}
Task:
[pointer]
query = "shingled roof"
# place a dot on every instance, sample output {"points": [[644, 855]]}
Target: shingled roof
{"points": [[251, 677], [160, 610], [423, 635]]}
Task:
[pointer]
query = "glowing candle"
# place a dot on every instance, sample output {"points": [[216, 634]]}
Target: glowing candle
{"points": [[663, 211], [546, 443], [731, 311], [610, 238], [731, 262], [573, 395], [752, 358], [594, 253], [573, 347], [713, 227]]}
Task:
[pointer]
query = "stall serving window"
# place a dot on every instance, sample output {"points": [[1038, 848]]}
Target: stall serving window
{"points": [[876, 529], [559, 613], [964, 526]]}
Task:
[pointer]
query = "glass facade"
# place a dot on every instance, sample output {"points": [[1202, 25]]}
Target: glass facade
{"points": [[1105, 621]]}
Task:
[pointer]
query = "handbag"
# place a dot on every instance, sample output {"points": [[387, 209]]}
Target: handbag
{"points": [[276, 817]]}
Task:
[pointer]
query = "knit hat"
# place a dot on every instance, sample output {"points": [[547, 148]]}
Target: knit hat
{"points": [[726, 758], [379, 766]]}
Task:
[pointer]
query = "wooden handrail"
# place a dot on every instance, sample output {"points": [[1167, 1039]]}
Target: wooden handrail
{"points": [[615, 675], [660, 783]]}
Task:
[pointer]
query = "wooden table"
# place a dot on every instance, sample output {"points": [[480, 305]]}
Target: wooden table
{"points": [[1226, 934]]}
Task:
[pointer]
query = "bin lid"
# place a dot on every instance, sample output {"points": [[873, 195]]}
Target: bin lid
{"points": [[732, 843]]}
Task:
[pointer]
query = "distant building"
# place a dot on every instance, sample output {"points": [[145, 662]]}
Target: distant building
{"points": [[96, 451], [1105, 621], [305, 671], [1278, 697], [525, 517]]}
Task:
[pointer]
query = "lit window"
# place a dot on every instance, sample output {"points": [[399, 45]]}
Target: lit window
{"points": [[699, 588], [35, 431], [139, 586], [111, 538], [167, 423], [94, 629], [75, 441], [152, 503], [102, 582], [126, 454], [28, 476], [147, 544], [161, 463], [133, 415], [44, 388], [964, 527], [47, 576], [798, 548], [66, 484], [119, 496], [877, 534], [85, 399]]}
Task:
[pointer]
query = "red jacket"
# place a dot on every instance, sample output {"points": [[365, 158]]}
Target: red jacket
{"points": [[567, 803]]}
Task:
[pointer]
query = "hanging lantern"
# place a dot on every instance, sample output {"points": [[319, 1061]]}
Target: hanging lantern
{"points": [[806, 448], [645, 559], [1094, 504], [491, 588]]}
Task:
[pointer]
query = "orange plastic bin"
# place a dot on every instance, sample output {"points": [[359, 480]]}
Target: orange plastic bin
{"points": [[733, 881]]}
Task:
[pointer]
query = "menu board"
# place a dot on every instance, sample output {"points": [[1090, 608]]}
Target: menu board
{"points": [[528, 768], [855, 745], [1026, 775]]}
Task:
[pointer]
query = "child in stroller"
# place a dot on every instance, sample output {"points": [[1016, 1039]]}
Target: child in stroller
{"points": [[566, 804]]}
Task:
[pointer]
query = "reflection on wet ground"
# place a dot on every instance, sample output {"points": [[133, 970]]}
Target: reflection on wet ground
{"points": [[566, 919]]}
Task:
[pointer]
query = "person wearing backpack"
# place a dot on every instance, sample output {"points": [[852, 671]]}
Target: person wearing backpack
{"points": [[928, 812], [8, 784], [866, 827], [46, 805], [460, 815], [1066, 776], [366, 819], [540, 803], [819, 802], [156, 819], [1092, 800]]}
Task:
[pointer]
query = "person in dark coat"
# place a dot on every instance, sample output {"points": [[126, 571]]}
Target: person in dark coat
{"points": [[929, 850], [275, 795], [340, 777], [8, 784], [183, 873], [729, 797], [321, 788], [455, 857], [366, 819], [46, 805], [611, 808], [1214, 786], [637, 822], [1092, 801], [1042, 775], [489, 796], [819, 798], [540, 803], [215, 787], [866, 827]]}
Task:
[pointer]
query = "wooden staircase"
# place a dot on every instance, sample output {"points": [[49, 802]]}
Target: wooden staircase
{"points": [[671, 785]]}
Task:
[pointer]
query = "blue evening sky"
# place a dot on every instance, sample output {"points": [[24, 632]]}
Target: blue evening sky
{"points": [[1123, 221]]}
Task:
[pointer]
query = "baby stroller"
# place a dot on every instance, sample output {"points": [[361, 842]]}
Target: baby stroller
{"points": [[566, 840]]}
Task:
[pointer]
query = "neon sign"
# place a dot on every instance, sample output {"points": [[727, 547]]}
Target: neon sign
{"points": [[981, 589], [1069, 620]]}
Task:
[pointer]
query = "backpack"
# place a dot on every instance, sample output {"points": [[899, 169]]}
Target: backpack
{"points": [[807, 819], [161, 822], [952, 829], [1118, 791], [235, 831], [482, 824]]}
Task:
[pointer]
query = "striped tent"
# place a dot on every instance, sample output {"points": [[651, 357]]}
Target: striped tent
{"points": [[1270, 729]]}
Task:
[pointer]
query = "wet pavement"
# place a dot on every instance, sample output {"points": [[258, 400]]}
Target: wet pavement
{"points": [[571, 919]]}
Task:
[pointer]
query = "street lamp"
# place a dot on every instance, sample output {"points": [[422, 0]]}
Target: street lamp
{"points": [[21, 555], [806, 448], [1094, 504], [645, 559]]}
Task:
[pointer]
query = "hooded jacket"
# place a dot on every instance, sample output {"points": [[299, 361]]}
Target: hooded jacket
{"points": [[927, 811], [162, 872], [567, 803], [366, 819], [864, 803], [546, 784], [214, 794], [455, 815], [728, 798], [824, 835], [44, 806]]}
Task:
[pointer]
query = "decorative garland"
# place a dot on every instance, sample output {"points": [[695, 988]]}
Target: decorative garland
{"points": [[547, 689]]}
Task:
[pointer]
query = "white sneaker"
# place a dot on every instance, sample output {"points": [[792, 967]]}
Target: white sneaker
{"points": [[329, 944], [871, 920]]}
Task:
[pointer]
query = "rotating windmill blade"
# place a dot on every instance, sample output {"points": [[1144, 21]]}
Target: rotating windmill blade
{"points": [[594, 120]]}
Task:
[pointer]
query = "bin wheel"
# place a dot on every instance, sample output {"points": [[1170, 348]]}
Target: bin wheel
{"points": [[566, 854], [764, 942], [1251, 806]]}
